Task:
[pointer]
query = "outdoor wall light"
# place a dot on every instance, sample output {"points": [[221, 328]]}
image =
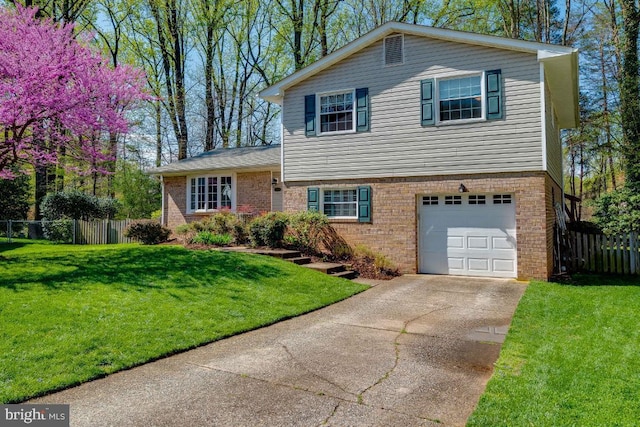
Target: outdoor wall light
{"points": [[462, 189]]}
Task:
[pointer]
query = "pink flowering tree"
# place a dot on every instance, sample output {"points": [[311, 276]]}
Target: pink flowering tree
{"points": [[57, 94]]}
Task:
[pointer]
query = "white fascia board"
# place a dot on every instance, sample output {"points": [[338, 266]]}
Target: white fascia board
{"points": [[275, 92]]}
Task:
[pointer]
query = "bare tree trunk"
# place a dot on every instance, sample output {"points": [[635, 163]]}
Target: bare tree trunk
{"points": [[158, 111]]}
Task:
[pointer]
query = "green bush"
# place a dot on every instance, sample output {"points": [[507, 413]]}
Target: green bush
{"points": [[618, 212], [209, 238], [14, 197], [306, 232], [268, 230], [220, 223], [183, 229], [77, 205], [148, 232], [240, 235], [58, 230], [380, 262]]}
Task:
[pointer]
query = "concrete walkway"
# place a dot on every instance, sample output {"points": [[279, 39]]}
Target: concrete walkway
{"points": [[415, 351]]}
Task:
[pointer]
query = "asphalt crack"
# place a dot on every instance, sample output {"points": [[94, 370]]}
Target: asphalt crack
{"points": [[320, 377], [396, 345]]}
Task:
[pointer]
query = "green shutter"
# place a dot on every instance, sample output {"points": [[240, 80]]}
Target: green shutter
{"points": [[313, 199], [310, 115], [364, 203], [427, 110], [494, 94], [362, 109]]}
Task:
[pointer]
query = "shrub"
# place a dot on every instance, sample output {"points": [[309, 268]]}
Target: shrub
{"points": [[77, 205], [306, 232], [148, 232], [14, 197], [618, 212], [240, 235], [183, 229], [268, 230], [209, 238], [220, 223], [58, 230], [381, 263]]}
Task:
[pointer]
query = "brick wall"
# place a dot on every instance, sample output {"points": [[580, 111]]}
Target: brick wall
{"points": [[253, 191], [393, 231], [553, 196]]}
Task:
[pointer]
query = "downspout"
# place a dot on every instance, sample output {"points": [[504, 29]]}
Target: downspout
{"points": [[543, 118], [162, 208]]}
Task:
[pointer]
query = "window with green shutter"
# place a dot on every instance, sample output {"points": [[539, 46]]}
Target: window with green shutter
{"points": [[341, 203], [460, 98], [494, 94], [310, 115], [427, 110], [313, 199], [337, 112], [364, 203], [362, 109]]}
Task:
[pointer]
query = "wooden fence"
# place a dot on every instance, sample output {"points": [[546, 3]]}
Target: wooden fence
{"points": [[598, 253], [96, 232], [99, 232]]}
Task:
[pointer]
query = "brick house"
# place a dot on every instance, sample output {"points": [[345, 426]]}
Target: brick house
{"points": [[440, 149], [235, 179]]}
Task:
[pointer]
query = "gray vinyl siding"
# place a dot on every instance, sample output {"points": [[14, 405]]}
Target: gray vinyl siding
{"points": [[553, 141], [397, 144]]}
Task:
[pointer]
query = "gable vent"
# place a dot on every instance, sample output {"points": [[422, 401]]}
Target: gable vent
{"points": [[393, 50]]}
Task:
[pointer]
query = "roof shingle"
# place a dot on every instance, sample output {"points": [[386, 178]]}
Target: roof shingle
{"points": [[258, 157]]}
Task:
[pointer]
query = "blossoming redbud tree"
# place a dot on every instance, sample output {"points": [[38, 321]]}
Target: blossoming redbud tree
{"points": [[57, 92]]}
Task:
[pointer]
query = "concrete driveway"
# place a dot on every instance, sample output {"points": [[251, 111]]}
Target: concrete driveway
{"points": [[414, 351]]}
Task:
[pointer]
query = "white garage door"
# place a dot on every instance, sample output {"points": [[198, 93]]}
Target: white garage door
{"points": [[469, 235]]}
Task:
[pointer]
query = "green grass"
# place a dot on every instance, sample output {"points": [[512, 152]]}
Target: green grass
{"points": [[69, 314], [571, 358]]}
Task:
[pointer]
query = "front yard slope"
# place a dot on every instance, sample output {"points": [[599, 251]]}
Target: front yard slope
{"points": [[69, 314], [572, 358]]}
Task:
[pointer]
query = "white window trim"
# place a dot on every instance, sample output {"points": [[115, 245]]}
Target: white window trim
{"points": [[483, 91], [322, 191], [234, 186], [353, 112]]}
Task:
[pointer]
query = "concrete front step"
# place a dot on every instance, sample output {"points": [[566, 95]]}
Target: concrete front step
{"points": [[330, 268], [279, 253], [346, 274], [301, 260], [326, 267]]}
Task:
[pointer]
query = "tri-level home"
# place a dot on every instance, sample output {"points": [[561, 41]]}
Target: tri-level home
{"points": [[440, 149]]}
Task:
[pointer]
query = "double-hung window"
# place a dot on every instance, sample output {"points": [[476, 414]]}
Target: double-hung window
{"points": [[460, 99], [209, 193], [340, 203], [336, 112], [454, 99], [343, 203]]}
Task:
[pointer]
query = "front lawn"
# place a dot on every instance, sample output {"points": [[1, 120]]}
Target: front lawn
{"points": [[571, 358], [72, 313]]}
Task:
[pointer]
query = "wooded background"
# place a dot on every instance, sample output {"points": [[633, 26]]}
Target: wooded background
{"points": [[206, 60]]}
